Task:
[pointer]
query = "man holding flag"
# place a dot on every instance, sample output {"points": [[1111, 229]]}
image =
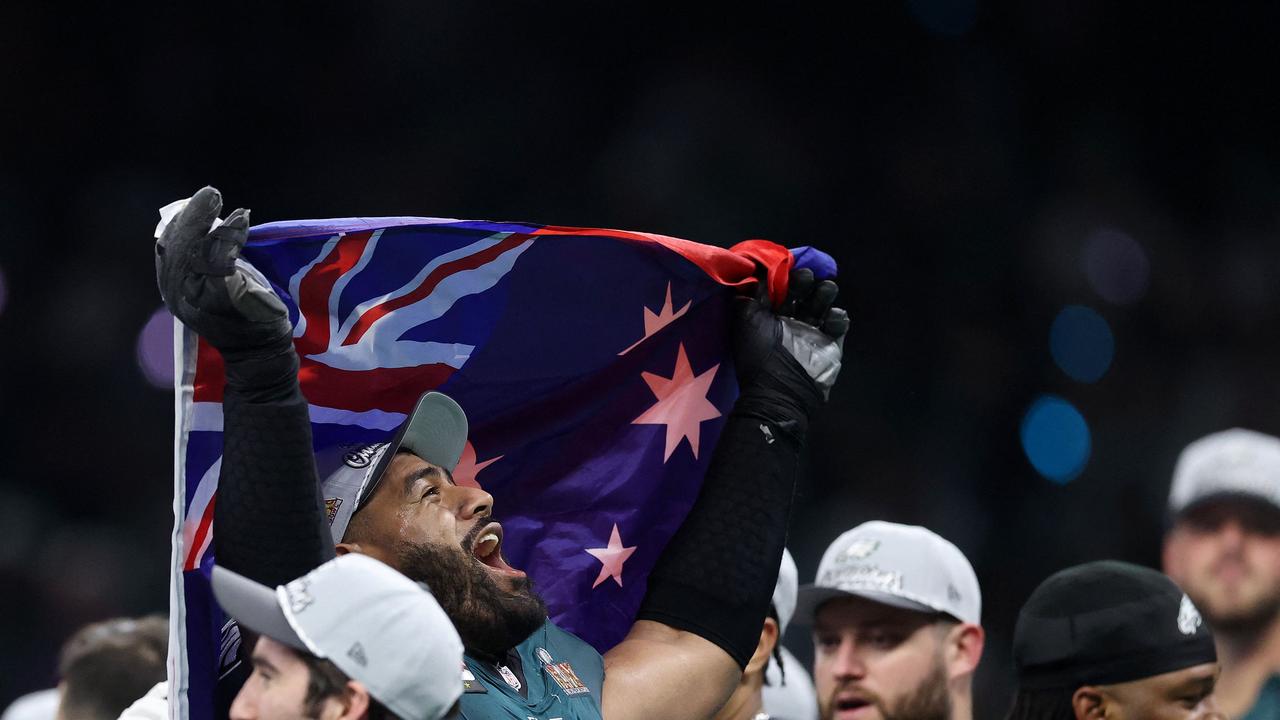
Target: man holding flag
{"points": [[707, 594]]}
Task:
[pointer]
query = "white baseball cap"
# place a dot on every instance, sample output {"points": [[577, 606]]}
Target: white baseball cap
{"points": [[378, 626], [784, 592], [1231, 462], [905, 566], [435, 431]]}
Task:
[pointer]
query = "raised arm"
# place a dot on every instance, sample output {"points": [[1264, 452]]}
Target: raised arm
{"points": [[268, 518], [709, 594]]}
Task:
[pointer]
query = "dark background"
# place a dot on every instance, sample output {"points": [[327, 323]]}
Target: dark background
{"points": [[964, 162]]}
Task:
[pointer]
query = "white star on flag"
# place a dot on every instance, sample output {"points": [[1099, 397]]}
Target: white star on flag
{"points": [[611, 558], [653, 322], [682, 403]]}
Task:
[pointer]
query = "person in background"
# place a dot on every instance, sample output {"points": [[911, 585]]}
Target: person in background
{"points": [[1109, 640], [760, 696], [107, 665], [351, 640], [788, 689], [1223, 548], [896, 613]]}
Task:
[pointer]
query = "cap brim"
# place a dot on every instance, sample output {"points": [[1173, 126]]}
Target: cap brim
{"points": [[1227, 496], [254, 606], [436, 431], [811, 597]]}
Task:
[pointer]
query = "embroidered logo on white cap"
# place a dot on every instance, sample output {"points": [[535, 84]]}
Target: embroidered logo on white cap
{"points": [[905, 566], [861, 549]]}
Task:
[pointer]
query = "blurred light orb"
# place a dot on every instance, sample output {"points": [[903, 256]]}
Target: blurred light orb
{"points": [[1116, 266], [155, 349], [1055, 438], [945, 17], [1081, 343]]}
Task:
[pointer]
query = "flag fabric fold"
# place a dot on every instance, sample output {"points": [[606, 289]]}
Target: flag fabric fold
{"points": [[593, 365]]}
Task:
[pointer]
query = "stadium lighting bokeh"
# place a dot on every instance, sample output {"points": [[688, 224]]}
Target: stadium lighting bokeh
{"points": [[155, 349], [1081, 343], [1116, 266], [1055, 438]]}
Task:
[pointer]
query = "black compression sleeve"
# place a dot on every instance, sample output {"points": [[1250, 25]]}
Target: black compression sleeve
{"points": [[268, 517], [716, 577]]}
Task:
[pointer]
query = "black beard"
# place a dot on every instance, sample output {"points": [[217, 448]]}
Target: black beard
{"points": [[490, 620]]}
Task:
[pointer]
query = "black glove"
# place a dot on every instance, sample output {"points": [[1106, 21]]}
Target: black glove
{"points": [[790, 359], [227, 304]]}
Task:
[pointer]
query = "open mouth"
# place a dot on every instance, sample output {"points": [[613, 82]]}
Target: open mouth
{"points": [[851, 706], [487, 548]]}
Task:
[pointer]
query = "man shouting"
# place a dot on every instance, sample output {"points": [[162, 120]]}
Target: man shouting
{"points": [[707, 597]]}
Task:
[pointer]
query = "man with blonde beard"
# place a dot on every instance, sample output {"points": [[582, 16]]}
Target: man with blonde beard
{"points": [[895, 611], [1223, 548]]}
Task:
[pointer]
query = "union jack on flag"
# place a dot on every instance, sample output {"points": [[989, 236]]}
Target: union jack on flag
{"points": [[593, 365]]}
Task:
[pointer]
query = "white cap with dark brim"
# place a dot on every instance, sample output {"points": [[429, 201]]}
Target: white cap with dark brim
{"points": [[435, 431], [376, 625], [1231, 463], [903, 566]]}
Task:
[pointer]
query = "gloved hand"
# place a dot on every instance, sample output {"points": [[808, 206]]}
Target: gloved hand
{"points": [[791, 357], [225, 304]]}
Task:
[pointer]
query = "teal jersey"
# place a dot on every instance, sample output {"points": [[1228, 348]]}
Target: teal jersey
{"points": [[564, 678], [1267, 706]]}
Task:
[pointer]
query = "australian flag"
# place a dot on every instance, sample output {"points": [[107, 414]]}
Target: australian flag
{"points": [[593, 365]]}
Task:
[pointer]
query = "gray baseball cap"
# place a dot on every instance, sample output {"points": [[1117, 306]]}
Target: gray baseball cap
{"points": [[435, 431], [905, 566], [1231, 462], [378, 626]]}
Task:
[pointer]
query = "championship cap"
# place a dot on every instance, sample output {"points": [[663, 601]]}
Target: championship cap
{"points": [[378, 626], [1232, 462], [784, 592], [436, 431], [1107, 622], [905, 566]]}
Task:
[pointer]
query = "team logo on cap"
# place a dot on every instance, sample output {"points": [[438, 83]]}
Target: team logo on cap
{"points": [[360, 457], [860, 549], [357, 653], [331, 506], [861, 576], [299, 593], [1188, 617]]}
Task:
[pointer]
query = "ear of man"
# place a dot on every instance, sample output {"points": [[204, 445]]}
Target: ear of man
{"points": [[370, 550], [764, 648], [1089, 703], [354, 702], [964, 643]]}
